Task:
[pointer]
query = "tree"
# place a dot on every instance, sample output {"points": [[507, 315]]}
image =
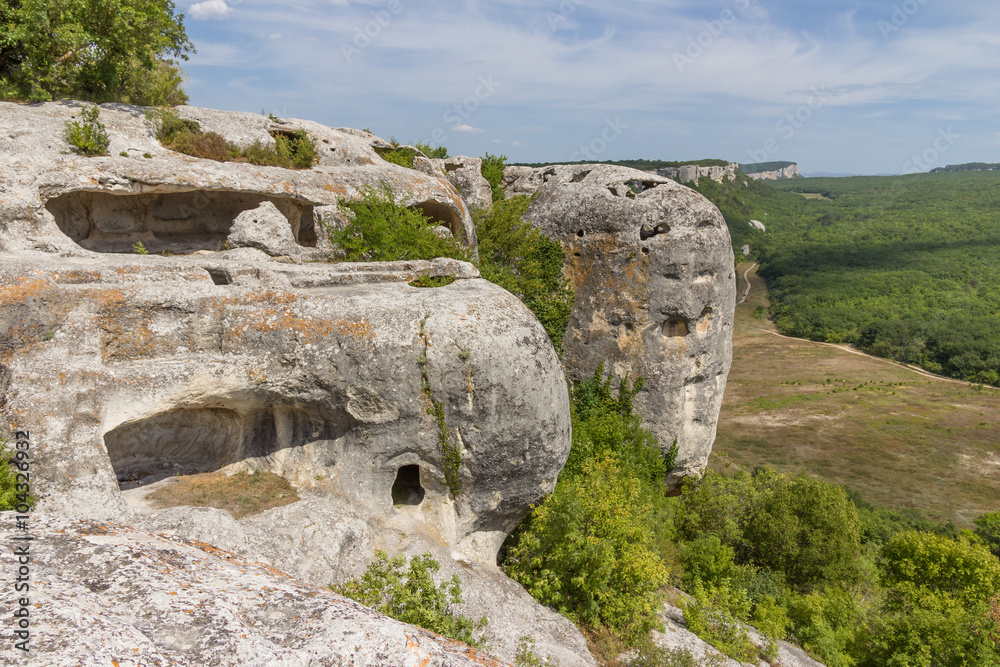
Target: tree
{"points": [[988, 530], [98, 50]]}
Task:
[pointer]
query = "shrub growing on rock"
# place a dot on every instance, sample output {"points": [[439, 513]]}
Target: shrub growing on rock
{"points": [[411, 596], [492, 170], [88, 137], [381, 230], [516, 256], [589, 551], [290, 151]]}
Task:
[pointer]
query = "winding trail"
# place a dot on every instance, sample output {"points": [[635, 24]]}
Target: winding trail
{"points": [[844, 348], [746, 293]]}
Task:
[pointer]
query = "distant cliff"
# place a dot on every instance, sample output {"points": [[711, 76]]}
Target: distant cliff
{"points": [[691, 173], [771, 171]]}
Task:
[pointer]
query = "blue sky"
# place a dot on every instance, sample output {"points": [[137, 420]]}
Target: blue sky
{"points": [[883, 86]]}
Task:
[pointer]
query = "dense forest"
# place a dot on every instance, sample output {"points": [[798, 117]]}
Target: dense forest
{"points": [[904, 267], [968, 166]]}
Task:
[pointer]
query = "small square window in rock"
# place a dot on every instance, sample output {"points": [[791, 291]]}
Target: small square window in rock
{"points": [[406, 490], [675, 327]]}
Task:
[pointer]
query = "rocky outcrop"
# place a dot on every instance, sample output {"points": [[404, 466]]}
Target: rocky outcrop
{"points": [[110, 595], [465, 173], [692, 173], [414, 419], [57, 201], [652, 265], [676, 636], [791, 171]]}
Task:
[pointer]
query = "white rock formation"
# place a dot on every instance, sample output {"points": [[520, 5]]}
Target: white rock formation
{"points": [[691, 173], [128, 369], [652, 265]]}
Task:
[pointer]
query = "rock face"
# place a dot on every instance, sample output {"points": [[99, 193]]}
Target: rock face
{"points": [[676, 636], [691, 173], [57, 201], [107, 594], [652, 265], [343, 378], [465, 173], [266, 229], [791, 171]]}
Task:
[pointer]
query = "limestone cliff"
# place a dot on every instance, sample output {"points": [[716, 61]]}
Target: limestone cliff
{"points": [[652, 265], [129, 369], [791, 171], [691, 173]]}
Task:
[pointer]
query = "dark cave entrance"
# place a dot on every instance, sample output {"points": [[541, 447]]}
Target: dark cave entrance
{"points": [[406, 490], [177, 222]]}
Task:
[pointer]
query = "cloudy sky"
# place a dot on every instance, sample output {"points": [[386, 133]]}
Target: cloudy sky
{"points": [[878, 86]]}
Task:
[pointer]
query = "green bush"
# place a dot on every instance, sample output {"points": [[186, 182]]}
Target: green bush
{"points": [[89, 137], [380, 230], [440, 152], [8, 483], [959, 568], [707, 560], [988, 530], [411, 596], [715, 615], [588, 551], [522, 260], [400, 155], [290, 151], [806, 529], [803, 529], [492, 170]]}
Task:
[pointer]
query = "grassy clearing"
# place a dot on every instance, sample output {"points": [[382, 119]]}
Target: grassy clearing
{"points": [[899, 438], [241, 494]]}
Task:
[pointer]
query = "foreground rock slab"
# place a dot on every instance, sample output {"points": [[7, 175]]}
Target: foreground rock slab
{"points": [[106, 594]]}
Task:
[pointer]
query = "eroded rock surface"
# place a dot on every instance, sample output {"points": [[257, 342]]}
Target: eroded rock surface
{"points": [[105, 594], [652, 265], [129, 370], [466, 174], [55, 200]]}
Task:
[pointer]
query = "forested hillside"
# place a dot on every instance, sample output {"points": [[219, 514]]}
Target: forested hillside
{"points": [[905, 267]]}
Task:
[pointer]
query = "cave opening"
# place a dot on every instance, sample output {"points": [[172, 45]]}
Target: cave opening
{"points": [[406, 490], [175, 222], [194, 440]]}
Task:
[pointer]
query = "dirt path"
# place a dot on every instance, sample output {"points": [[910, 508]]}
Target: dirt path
{"points": [[746, 293], [845, 348]]}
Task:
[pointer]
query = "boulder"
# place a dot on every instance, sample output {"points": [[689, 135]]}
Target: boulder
{"points": [[652, 265], [107, 594], [466, 174], [264, 228]]}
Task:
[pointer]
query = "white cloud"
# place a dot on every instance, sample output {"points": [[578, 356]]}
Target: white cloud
{"points": [[517, 143], [210, 9], [466, 128]]}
